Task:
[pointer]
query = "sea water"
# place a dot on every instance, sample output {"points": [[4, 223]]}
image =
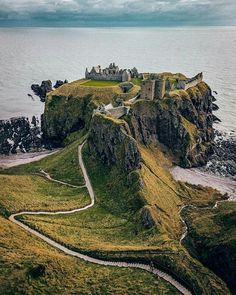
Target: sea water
{"points": [[30, 55]]}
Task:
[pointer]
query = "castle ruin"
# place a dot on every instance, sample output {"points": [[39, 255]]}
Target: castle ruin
{"points": [[186, 84], [156, 86], [112, 73], [153, 88]]}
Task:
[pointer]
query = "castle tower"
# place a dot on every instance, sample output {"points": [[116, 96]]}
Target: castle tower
{"points": [[148, 89], [160, 88]]}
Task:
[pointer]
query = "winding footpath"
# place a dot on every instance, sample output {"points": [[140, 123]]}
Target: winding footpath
{"points": [[67, 251]]}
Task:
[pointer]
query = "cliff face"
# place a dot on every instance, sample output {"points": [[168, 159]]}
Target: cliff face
{"points": [[64, 115], [69, 108], [182, 121], [111, 141]]}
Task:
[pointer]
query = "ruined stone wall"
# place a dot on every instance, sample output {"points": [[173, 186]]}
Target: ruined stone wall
{"points": [[160, 88], [148, 89], [192, 83], [114, 77]]}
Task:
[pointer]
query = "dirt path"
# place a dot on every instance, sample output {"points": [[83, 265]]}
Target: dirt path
{"points": [[66, 250]]}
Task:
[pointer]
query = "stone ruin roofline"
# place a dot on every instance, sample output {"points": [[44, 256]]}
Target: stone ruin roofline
{"points": [[112, 72]]}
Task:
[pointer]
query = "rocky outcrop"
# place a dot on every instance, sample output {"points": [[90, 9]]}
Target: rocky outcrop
{"points": [[59, 83], [64, 115], [111, 141], [223, 161], [183, 122], [41, 91], [18, 134]]}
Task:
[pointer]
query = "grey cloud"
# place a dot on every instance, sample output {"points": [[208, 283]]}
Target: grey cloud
{"points": [[118, 12]]}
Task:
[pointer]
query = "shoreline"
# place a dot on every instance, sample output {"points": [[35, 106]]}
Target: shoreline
{"points": [[224, 185], [194, 176], [24, 158]]}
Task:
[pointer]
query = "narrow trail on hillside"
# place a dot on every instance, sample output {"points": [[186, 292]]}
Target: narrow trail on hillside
{"points": [[186, 230], [66, 250]]}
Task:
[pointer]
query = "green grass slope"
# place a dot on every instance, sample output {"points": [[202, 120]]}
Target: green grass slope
{"points": [[114, 228], [29, 266], [62, 165]]}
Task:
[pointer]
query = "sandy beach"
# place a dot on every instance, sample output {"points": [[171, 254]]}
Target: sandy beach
{"points": [[23, 158], [197, 177]]}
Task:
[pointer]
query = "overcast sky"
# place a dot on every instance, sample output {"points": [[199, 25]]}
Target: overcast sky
{"points": [[117, 12]]}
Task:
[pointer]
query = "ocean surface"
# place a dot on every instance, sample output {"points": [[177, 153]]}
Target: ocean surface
{"points": [[30, 55]]}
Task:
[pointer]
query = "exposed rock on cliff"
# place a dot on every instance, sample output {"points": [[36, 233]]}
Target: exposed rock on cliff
{"points": [[111, 141], [70, 108], [41, 91], [59, 83], [19, 134], [182, 121]]}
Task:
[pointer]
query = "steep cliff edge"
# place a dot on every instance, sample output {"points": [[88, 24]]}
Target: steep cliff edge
{"points": [[182, 121], [111, 141], [131, 180], [69, 108]]}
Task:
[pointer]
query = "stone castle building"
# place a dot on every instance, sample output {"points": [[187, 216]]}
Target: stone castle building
{"points": [[155, 87], [112, 73]]}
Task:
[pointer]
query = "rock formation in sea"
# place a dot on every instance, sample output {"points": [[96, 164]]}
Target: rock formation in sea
{"points": [[19, 134], [41, 91]]}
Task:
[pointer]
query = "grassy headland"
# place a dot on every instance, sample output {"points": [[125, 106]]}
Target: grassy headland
{"points": [[113, 228]]}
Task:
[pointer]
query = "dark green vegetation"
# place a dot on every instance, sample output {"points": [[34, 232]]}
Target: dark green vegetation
{"points": [[212, 239], [136, 81], [28, 265]]}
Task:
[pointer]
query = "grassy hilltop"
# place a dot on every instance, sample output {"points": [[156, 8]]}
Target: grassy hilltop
{"points": [[136, 213]]}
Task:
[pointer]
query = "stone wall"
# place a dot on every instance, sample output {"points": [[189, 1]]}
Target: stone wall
{"points": [[192, 83], [185, 85], [160, 88], [113, 77], [148, 89], [112, 73], [153, 89]]}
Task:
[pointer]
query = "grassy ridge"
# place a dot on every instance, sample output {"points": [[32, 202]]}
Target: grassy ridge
{"points": [[30, 266], [33, 267], [113, 228]]}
